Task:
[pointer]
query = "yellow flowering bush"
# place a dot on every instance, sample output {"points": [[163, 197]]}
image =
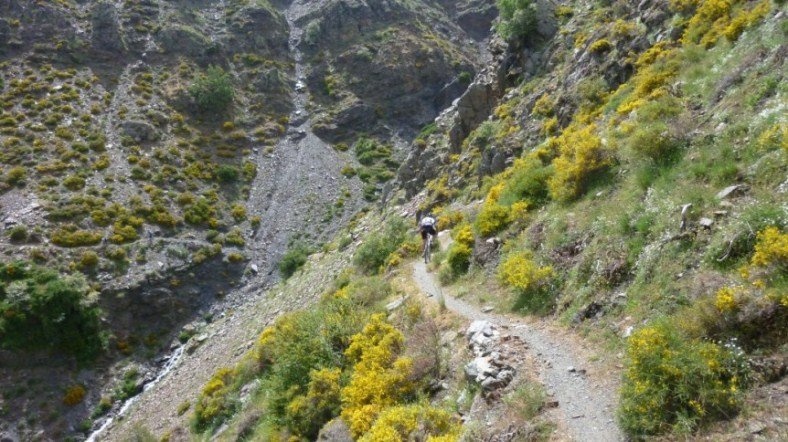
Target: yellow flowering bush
{"points": [[380, 377], [519, 270], [580, 154], [446, 219], [215, 403], [771, 249], [493, 217], [464, 235], [725, 300], [745, 19], [600, 46], [74, 395], [306, 414], [413, 422], [713, 19], [459, 255], [543, 106], [670, 380], [774, 137]]}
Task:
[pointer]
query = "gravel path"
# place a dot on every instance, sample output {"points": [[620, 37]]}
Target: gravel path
{"points": [[588, 408]]}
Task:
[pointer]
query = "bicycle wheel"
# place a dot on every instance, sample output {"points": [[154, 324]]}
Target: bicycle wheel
{"points": [[427, 248]]}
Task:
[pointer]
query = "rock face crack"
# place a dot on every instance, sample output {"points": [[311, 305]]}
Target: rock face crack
{"points": [[588, 409]]}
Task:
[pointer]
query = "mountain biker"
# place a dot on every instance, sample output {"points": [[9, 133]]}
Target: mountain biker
{"points": [[427, 227]]}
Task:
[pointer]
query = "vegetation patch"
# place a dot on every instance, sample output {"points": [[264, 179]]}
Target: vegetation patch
{"points": [[41, 309]]}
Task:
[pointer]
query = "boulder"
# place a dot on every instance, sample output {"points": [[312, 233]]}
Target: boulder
{"points": [[106, 34], [472, 108], [335, 431], [486, 252], [139, 131], [478, 326], [593, 309], [481, 368], [731, 191], [183, 40]]}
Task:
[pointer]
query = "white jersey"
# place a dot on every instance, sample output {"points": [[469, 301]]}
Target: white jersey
{"points": [[427, 221]]}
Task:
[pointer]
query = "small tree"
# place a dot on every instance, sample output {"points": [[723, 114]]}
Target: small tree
{"points": [[213, 90], [518, 19]]}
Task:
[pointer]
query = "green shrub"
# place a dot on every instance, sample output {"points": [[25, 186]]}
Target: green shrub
{"points": [[292, 353], [671, 382], [653, 141], [213, 91], [372, 254], [16, 175], [74, 182], [293, 259], [200, 212], [18, 233], [88, 260], [40, 309], [459, 258], [227, 174], [527, 182], [368, 291], [69, 236], [517, 19]]}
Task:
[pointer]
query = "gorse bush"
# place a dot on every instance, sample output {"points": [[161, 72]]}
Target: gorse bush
{"points": [[297, 356], [714, 19], [380, 377], [40, 309], [529, 280], [68, 236], [459, 255], [518, 19], [216, 401], [493, 217], [306, 414], [580, 155], [771, 249], [213, 91], [414, 422], [671, 382]]}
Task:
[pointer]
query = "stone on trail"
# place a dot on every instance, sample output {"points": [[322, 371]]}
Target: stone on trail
{"points": [[478, 326]]}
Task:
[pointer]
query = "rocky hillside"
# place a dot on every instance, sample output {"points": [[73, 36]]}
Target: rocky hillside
{"points": [[614, 171]]}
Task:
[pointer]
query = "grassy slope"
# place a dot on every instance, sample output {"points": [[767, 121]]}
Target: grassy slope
{"points": [[622, 235]]}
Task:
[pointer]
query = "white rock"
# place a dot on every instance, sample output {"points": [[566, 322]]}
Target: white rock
{"points": [[728, 191], [476, 327]]}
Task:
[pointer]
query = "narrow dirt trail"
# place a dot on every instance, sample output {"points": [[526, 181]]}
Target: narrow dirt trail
{"points": [[587, 406]]}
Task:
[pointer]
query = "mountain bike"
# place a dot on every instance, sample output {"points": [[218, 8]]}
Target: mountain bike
{"points": [[427, 247]]}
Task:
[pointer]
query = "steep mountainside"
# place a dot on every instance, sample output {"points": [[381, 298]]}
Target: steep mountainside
{"points": [[207, 212]]}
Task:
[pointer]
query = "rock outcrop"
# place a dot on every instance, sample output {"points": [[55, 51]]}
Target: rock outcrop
{"points": [[488, 368]]}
